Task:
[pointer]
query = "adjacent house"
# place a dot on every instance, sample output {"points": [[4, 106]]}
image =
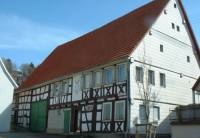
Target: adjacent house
{"points": [[7, 86], [185, 120], [94, 84]]}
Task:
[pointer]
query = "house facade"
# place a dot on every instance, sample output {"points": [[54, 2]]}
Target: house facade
{"points": [[92, 84], [7, 86]]}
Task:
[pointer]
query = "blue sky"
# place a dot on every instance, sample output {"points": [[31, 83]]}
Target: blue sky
{"points": [[31, 29]]}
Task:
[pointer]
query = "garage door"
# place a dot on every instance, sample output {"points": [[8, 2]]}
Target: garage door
{"points": [[39, 116]]}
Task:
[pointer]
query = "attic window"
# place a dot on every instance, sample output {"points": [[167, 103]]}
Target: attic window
{"points": [[188, 59], [165, 11], [175, 5], [161, 48], [173, 26], [178, 28]]}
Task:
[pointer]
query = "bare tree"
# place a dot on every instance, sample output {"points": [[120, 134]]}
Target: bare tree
{"points": [[147, 94], [26, 70]]}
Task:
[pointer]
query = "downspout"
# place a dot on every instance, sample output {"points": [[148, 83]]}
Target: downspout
{"points": [[193, 92], [128, 98]]}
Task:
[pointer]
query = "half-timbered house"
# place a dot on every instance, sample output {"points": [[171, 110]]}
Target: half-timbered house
{"points": [[90, 84]]}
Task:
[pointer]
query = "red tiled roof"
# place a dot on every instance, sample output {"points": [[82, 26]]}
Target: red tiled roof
{"points": [[108, 43]]}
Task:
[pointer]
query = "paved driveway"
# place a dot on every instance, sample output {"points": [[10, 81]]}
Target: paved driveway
{"points": [[28, 135]]}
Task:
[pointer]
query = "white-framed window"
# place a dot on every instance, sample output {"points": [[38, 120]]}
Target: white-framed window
{"points": [[120, 110], [108, 75], [156, 113], [97, 78], [162, 80], [87, 80], [151, 77], [121, 72], [139, 74], [65, 86], [107, 111], [142, 113]]}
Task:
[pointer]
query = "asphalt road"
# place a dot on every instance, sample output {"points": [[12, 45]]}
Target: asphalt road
{"points": [[28, 135]]}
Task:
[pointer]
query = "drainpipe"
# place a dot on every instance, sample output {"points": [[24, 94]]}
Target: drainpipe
{"points": [[128, 98], [193, 96]]}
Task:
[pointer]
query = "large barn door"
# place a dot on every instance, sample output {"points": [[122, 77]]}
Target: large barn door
{"points": [[38, 116]]}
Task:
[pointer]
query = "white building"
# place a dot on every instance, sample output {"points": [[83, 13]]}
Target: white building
{"points": [[7, 86], [91, 84]]}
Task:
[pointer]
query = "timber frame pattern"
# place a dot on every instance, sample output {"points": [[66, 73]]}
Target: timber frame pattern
{"points": [[90, 107]]}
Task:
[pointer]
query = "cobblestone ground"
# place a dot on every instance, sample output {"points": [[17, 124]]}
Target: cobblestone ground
{"points": [[28, 135]]}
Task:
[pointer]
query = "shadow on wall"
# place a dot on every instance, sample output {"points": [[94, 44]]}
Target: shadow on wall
{"points": [[5, 118]]}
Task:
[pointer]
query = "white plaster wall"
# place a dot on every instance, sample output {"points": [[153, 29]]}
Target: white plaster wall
{"points": [[172, 62], [185, 131], [6, 96]]}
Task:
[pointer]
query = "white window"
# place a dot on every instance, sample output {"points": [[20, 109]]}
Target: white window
{"points": [[142, 113], [120, 110], [139, 74], [65, 86], [97, 78], [107, 111], [156, 113], [121, 74], [87, 80], [162, 80], [151, 77], [108, 75]]}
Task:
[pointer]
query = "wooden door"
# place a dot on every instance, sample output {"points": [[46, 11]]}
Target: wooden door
{"points": [[67, 121]]}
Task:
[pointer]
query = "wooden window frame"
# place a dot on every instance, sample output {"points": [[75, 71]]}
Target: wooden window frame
{"points": [[121, 101], [118, 65], [110, 104]]}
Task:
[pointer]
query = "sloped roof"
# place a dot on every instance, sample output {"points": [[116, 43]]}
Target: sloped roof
{"points": [[108, 43], [12, 81]]}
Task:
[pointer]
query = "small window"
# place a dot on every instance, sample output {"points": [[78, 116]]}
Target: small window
{"points": [[139, 74], [173, 26], [121, 72], [108, 75], [142, 113], [156, 113], [175, 5], [120, 110], [161, 48], [188, 59], [178, 28], [107, 111], [98, 78], [151, 77], [162, 80], [87, 80], [165, 11]]}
